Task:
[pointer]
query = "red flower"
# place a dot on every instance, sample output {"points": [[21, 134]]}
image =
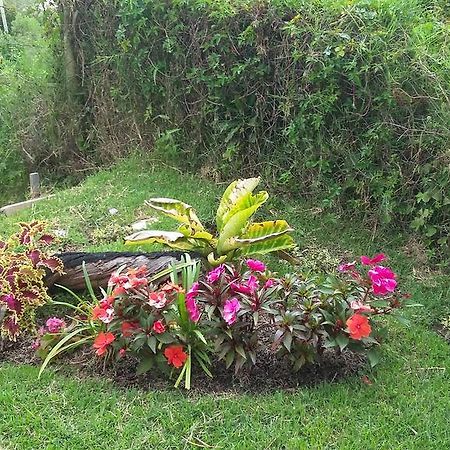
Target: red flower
{"points": [[128, 328], [359, 326], [102, 342], [158, 327], [175, 355]]}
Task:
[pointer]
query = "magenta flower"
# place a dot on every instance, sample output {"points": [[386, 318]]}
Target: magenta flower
{"points": [[230, 310], [383, 280], [255, 265], [55, 324], [269, 283], [247, 288], [347, 267], [191, 303], [372, 261], [215, 274]]}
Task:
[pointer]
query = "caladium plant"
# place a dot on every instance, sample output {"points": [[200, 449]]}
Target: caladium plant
{"points": [[236, 235]]}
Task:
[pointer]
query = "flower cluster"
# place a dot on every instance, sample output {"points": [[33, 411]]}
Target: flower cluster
{"points": [[24, 259]]}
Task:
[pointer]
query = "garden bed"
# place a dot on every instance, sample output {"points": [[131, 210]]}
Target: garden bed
{"points": [[268, 374]]}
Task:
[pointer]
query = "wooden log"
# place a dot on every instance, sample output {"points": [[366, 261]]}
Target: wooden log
{"points": [[100, 266]]}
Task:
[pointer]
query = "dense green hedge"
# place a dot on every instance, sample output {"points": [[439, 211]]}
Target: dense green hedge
{"points": [[345, 101]]}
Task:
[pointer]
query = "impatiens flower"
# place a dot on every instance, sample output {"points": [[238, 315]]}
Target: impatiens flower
{"points": [[383, 280], [159, 327], [171, 288], [347, 267], [122, 352], [55, 324], [102, 341], [191, 303], [255, 265], [247, 288], [102, 313], [359, 326], [36, 344], [230, 310], [157, 300], [359, 306], [128, 328], [118, 279], [215, 274], [269, 283], [372, 261], [175, 355]]}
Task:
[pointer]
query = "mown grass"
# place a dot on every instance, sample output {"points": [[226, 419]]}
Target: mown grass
{"points": [[406, 407]]}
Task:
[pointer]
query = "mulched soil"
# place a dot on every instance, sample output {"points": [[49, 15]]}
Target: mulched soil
{"points": [[443, 331], [268, 375]]}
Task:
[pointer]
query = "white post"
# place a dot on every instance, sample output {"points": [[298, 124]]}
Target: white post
{"points": [[2, 13], [35, 184]]}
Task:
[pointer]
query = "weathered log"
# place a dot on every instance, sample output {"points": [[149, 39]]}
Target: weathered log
{"points": [[100, 266]]}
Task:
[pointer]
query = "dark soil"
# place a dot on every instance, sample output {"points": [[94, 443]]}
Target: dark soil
{"points": [[443, 331], [267, 375]]}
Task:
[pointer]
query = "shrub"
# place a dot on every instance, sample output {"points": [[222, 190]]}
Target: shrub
{"points": [[24, 257], [236, 235], [234, 311], [342, 101]]}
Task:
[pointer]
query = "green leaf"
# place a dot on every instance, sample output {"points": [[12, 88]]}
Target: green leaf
{"points": [[240, 350], [277, 243], [261, 231], [182, 212], [229, 358], [342, 340], [144, 366], [373, 355], [287, 341], [234, 226], [234, 194], [152, 342]]}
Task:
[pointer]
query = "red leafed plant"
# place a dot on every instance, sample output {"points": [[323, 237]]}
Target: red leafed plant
{"points": [[24, 257]]}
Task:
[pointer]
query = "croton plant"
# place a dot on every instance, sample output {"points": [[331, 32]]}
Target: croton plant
{"points": [[235, 236], [24, 258]]}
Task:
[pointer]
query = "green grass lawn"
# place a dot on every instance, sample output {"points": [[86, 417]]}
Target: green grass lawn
{"points": [[406, 407]]}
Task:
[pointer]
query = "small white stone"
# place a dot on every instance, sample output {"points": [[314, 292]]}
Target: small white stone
{"points": [[113, 211], [60, 233]]}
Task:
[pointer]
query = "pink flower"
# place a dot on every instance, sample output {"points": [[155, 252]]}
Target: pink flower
{"points": [[55, 325], [383, 280], [158, 327], [372, 261], [230, 310], [255, 265], [247, 288], [269, 283], [215, 274], [157, 300], [122, 352], [347, 267], [360, 307], [36, 344], [191, 304]]}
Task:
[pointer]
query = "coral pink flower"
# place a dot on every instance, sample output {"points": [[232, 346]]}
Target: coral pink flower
{"points": [[175, 355], [359, 326], [255, 265], [372, 261], [215, 274], [230, 310], [104, 314], [157, 300], [383, 280], [55, 324], [158, 327], [347, 267], [117, 279], [102, 341], [360, 307]]}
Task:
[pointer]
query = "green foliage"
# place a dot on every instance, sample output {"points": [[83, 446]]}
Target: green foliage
{"points": [[24, 258], [345, 101], [236, 235], [25, 68]]}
